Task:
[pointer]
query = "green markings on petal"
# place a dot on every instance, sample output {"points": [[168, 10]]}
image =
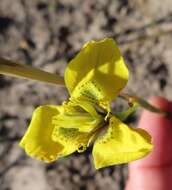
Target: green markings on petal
{"points": [[88, 90], [71, 139]]}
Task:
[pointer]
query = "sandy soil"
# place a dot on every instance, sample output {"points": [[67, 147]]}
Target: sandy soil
{"points": [[47, 34]]}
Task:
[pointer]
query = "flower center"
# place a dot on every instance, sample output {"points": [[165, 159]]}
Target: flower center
{"points": [[83, 118]]}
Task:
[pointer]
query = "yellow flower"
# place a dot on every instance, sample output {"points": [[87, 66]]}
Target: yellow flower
{"points": [[94, 78]]}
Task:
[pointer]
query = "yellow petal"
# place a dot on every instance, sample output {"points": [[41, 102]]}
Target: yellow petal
{"points": [[78, 115], [37, 141], [121, 144], [71, 139], [85, 105], [98, 72]]}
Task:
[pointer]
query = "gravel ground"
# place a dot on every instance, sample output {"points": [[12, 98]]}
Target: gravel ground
{"points": [[47, 34]]}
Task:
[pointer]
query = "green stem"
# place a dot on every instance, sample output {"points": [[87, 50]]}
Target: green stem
{"points": [[135, 100], [125, 114], [8, 67]]}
